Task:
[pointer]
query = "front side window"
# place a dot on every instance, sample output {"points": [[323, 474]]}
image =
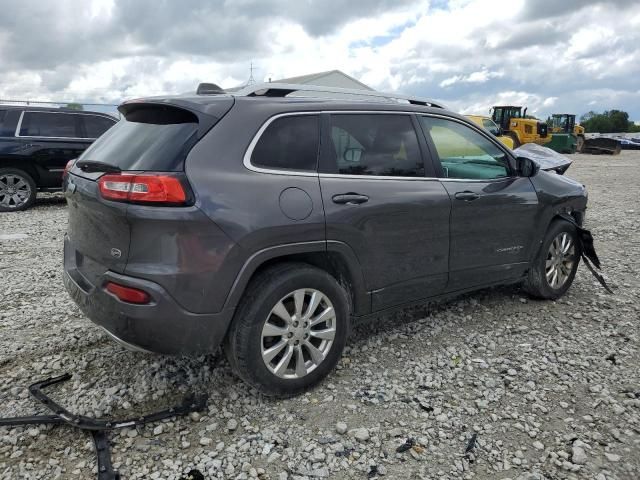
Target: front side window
{"points": [[463, 152], [375, 144], [289, 143], [48, 124], [95, 125], [490, 126]]}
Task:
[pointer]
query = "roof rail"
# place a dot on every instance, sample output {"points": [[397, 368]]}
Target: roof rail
{"points": [[284, 89]]}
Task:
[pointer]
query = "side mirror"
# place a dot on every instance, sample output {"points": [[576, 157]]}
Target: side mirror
{"points": [[527, 167]]}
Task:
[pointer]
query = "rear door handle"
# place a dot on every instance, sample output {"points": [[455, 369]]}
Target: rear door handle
{"points": [[349, 199], [467, 196]]}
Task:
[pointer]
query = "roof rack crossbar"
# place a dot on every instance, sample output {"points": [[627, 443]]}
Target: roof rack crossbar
{"points": [[284, 89]]}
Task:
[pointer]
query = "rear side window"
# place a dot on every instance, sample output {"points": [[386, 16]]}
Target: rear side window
{"points": [[8, 122], [94, 125], [149, 137], [380, 144], [289, 143], [3, 114], [48, 124]]}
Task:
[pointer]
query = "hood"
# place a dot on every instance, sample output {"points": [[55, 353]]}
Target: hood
{"points": [[546, 158]]}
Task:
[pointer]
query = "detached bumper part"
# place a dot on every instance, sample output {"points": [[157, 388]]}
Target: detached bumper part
{"points": [[97, 427]]}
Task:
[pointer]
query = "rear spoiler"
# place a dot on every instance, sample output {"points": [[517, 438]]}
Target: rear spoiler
{"points": [[180, 110]]}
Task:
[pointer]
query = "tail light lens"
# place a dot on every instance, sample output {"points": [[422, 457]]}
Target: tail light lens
{"points": [[68, 167], [128, 294], [143, 188]]}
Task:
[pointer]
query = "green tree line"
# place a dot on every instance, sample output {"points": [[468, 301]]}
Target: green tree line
{"points": [[610, 121]]}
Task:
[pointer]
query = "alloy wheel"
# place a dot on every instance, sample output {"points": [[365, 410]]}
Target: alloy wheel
{"points": [[14, 190], [560, 260], [298, 333]]}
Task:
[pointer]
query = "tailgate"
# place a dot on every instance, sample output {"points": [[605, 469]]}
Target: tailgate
{"points": [[98, 230], [152, 138]]}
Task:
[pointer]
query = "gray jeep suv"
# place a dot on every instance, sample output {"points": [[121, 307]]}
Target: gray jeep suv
{"points": [[268, 223]]}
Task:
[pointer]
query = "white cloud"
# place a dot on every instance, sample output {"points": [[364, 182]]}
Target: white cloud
{"points": [[472, 54], [480, 76]]}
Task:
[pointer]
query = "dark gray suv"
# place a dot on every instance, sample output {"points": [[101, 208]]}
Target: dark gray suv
{"points": [[269, 223]]}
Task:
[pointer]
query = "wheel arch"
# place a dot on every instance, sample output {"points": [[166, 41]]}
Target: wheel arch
{"points": [[25, 166], [336, 258], [578, 217]]}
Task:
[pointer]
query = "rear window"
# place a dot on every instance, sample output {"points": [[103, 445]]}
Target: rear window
{"points": [[94, 125], [152, 138], [48, 124]]}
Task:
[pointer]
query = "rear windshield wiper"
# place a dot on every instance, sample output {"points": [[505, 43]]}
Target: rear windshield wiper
{"points": [[91, 166]]}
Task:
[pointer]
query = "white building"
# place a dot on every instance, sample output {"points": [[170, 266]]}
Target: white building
{"points": [[332, 78]]}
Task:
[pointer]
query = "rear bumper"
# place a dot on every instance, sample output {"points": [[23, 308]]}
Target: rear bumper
{"points": [[161, 326]]}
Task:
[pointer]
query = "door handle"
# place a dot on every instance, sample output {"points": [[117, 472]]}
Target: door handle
{"points": [[349, 199], [467, 196]]}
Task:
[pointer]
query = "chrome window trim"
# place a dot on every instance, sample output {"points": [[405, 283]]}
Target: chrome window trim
{"points": [[19, 126], [301, 173], [247, 156], [256, 139], [375, 177]]}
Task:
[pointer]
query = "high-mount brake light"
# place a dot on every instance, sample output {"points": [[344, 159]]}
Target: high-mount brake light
{"points": [[143, 188]]}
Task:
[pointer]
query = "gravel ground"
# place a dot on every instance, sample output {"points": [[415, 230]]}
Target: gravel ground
{"points": [[552, 389]]}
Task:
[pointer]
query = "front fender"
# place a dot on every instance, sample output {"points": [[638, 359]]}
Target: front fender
{"points": [[558, 195]]}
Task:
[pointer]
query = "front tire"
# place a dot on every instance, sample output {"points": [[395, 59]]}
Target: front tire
{"points": [[516, 141], [555, 266], [17, 190], [289, 330]]}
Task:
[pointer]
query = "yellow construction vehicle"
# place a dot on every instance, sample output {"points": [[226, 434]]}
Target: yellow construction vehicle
{"points": [[568, 137], [490, 126], [513, 123]]}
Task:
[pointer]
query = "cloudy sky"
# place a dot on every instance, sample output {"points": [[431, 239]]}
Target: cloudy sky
{"points": [[551, 55]]}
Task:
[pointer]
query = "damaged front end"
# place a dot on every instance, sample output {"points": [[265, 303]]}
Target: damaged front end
{"points": [[547, 159]]}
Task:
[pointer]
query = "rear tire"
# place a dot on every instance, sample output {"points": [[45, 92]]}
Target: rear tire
{"points": [[17, 190], [289, 330], [555, 265]]}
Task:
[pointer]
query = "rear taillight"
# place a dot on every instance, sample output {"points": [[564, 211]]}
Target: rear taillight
{"points": [[144, 188], [68, 167], [128, 294]]}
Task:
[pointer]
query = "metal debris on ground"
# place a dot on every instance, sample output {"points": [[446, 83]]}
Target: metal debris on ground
{"points": [[193, 475], [98, 427], [471, 446], [407, 445]]}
